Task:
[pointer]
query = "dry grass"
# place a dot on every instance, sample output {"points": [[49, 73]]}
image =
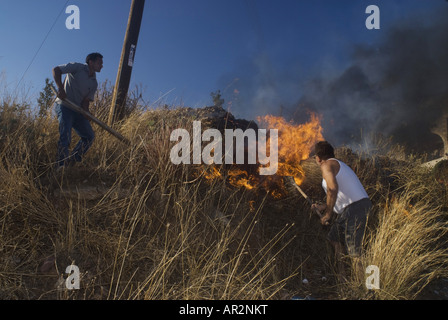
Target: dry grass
{"points": [[407, 233], [139, 227]]}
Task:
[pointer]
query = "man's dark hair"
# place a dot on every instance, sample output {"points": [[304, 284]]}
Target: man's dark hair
{"points": [[324, 150], [93, 56], [440, 172]]}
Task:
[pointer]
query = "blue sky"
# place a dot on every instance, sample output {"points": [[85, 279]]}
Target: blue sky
{"points": [[190, 48]]}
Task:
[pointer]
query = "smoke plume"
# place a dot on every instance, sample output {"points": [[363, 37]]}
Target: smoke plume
{"points": [[397, 87]]}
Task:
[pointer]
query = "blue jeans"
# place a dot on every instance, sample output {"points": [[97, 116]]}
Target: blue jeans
{"points": [[69, 119]]}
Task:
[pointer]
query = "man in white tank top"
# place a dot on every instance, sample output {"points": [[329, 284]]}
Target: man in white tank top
{"points": [[347, 198]]}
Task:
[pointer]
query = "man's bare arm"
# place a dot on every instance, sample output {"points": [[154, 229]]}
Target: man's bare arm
{"points": [[329, 174]]}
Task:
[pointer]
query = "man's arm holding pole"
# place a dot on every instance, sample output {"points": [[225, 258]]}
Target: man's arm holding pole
{"points": [[332, 192], [316, 208], [57, 76], [89, 116]]}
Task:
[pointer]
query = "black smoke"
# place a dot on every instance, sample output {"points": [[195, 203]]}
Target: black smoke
{"points": [[397, 87]]}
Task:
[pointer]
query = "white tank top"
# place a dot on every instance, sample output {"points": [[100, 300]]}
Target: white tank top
{"points": [[350, 188]]}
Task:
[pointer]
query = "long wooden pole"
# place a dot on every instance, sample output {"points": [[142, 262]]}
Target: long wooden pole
{"points": [[126, 61], [291, 179], [71, 105]]}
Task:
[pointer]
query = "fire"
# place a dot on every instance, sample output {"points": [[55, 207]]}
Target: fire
{"points": [[295, 143], [212, 173], [241, 178]]}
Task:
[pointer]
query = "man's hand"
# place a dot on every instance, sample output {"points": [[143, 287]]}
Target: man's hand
{"points": [[319, 207], [325, 220], [61, 94]]}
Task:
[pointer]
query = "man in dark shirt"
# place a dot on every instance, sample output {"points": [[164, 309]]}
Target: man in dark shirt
{"points": [[79, 87]]}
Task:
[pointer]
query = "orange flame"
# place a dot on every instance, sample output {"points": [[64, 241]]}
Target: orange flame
{"points": [[241, 178], [295, 143], [212, 173]]}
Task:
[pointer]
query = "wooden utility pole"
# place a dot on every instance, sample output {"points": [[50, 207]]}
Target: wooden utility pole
{"points": [[126, 61]]}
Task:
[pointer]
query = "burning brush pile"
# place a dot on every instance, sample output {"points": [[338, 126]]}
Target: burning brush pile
{"points": [[294, 144]]}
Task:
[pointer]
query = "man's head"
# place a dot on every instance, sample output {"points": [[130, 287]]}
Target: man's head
{"points": [[323, 151], [95, 61], [440, 172]]}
